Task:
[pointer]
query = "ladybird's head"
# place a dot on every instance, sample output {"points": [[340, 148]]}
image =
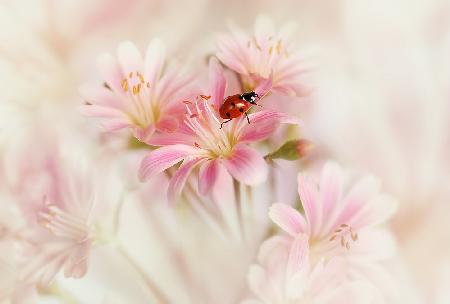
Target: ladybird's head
{"points": [[250, 97]]}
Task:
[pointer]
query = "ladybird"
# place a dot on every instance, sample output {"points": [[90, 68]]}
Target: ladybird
{"points": [[235, 106]]}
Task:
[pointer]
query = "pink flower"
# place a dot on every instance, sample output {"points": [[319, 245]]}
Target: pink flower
{"points": [[137, 94], [339, 224], [63, 236], [255, 56], [200, 141], [285, 275]]}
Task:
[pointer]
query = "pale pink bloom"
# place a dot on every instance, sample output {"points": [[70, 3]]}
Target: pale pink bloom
{"points": [[200, 141], [254, 57], [338, 222], [63, 236], [285, 275], [137, 94]]}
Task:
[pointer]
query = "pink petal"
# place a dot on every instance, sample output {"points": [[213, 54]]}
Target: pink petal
{"points": [[309, 197], [166, 139], [207, 177], [129, 57], [179, 179], [263, 124], [217, 82], [374, 212], [111, 73], [154, 61], [101, 96], [163, 158], [144, 134], [287, 218], [298, 255], [330, 193], [264, 86], [246, 165], [101, 112]]}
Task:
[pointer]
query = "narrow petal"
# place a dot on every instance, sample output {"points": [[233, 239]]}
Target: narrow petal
{"points": [[179, 179], [330, 193], [287, 218], [263, 124], [217, 82], [208, 174], [163, 158], [246, 165], [129, 57], [309, 197], [154, 61]]}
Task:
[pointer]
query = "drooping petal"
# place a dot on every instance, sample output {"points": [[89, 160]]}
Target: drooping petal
{"points": [[154, 61], [161, 159], [207, 177], [309, 197], [263, 124], [217, 82], [129, 57], [178, 180], [246, 165], [289, 219]]}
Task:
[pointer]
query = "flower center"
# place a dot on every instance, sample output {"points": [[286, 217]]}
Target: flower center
{"points": [[344, 234], [142, 109], [204, 122]]}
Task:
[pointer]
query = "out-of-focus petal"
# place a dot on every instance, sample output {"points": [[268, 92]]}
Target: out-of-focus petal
{"points": [[129, 57], [246, 165], [289, 219], [144, 135], [154, 61], [298, 255], [163, 158], [309, 197]]}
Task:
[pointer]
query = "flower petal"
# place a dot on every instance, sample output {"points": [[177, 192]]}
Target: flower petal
{"points": [[263, 124], [246, 165], [309, 197], [217, 82], [207, 177], [129, 57], [298, 256], [144, 134], [163, 158], [111, 73], [154, 61], [178, 180], [264, 86], [287, 218]]}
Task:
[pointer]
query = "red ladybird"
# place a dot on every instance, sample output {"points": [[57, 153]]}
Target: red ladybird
{"points": [[237, 105]]}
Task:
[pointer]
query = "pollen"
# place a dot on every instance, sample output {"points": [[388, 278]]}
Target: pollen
{"points": [[134, 83]]}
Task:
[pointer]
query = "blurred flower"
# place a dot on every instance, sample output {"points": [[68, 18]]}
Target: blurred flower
{"points": [[203, 141], [137, 94], [285, 275], [255, 57], [333, 221]]}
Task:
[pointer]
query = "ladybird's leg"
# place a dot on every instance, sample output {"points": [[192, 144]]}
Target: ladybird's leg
{"points": [[248, 119], [224, 122]]}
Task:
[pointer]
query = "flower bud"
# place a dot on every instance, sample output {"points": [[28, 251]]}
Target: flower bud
{"points": [[292, 150]]}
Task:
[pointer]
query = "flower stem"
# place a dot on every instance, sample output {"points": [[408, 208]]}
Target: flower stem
{"points": [[149, 283]]}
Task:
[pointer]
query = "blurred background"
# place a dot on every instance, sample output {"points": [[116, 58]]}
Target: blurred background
{"points": [[380, 100]]}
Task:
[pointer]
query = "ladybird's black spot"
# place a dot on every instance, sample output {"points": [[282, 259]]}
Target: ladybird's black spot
{"points": [[233, 105], [241, 110], [228, 114]]}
